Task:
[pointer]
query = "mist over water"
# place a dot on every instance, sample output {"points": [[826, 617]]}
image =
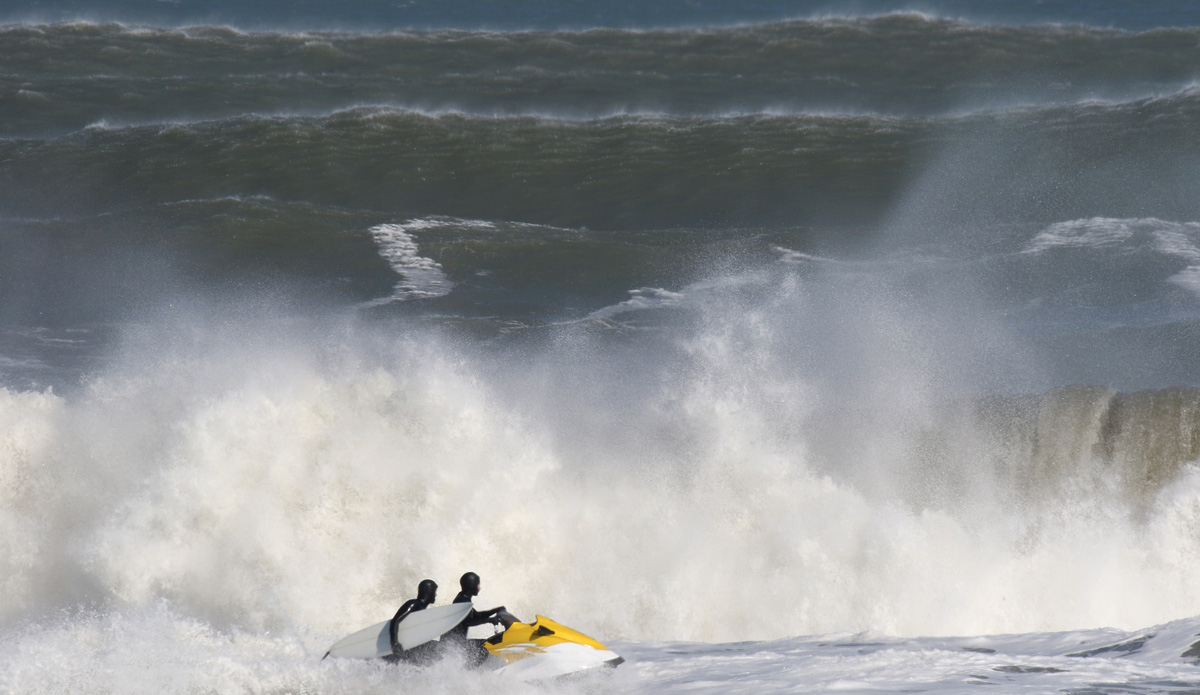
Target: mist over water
{"points": [[733, 332], [263, 476]]}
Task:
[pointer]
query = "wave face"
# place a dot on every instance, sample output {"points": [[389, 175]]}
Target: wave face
{"points": [[901, 65], [732, 331], [274, 479]]}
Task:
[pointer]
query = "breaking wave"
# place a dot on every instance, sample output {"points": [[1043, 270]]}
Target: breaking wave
{"points": [[422, 277], [297, 481]]}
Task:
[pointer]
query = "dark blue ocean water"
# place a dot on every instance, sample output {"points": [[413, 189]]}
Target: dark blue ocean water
{"points": [[1014, 183]]}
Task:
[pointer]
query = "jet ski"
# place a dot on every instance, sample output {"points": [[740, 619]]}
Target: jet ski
{"points": [[541, 650], [545, 649]]}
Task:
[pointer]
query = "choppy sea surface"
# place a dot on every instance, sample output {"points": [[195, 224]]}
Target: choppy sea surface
{"points": [[786, 346]]}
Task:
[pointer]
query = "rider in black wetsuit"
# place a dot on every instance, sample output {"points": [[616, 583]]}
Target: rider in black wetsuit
{"points": [[474, 648], [426, 594]]}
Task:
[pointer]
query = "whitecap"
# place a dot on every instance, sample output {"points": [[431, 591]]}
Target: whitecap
{"points": [[641, 299], [421, 277], [1090, 233], [1178, 240]]}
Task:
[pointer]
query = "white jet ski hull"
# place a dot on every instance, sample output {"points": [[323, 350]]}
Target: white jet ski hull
{"points": [[556, 661]]}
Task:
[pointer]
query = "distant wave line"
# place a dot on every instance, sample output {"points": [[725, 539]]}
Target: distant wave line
{"points": [[368, 111], [189, 29]]}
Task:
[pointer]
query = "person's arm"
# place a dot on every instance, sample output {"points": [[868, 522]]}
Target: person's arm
{"points": [[400, 614], [482, 617], [474, 618]]}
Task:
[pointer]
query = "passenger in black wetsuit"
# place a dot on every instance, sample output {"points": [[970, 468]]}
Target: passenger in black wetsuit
{"points": [[426, 595], [473, 649]]}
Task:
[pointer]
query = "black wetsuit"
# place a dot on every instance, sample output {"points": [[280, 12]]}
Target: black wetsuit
{"points": [[473, 618], [474, 649], [418, 653]]}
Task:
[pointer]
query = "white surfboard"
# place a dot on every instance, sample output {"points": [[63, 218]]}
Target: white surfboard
{"points": [[415, 629]]}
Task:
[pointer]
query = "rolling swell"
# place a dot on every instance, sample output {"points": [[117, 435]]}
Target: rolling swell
{"points": [[67, 76], [620, 172], [782, 124]]}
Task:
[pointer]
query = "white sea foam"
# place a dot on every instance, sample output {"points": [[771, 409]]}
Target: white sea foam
{"points": [[1090, 233], [274, 486], [643, 299], [1170, 238], [1188, 279], [154, 650], [868, 663], [791, 257], [422, 277], [230, 496], [1179, 240]]}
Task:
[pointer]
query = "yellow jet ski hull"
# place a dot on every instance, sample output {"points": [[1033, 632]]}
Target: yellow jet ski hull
{"points": [[546, 649]]}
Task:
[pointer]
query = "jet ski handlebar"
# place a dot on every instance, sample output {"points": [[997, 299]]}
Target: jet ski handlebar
{"points": [[506, 619]]}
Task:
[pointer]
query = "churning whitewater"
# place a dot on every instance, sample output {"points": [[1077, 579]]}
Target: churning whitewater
{"points": [[251, 497], [779, 350]]}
